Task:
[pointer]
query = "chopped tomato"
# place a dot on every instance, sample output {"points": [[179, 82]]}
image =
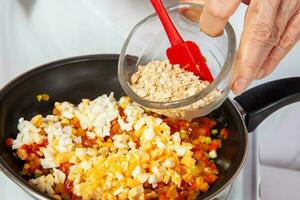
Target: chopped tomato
{"points": [[210, 164], [194, 186], [25, 146], [87, 142], [68, 186], [184, 184], [122, 114], [8, 142], [65, 167], [177, 125], [44, 143], [182, 124], [137, 144], [173, 126], [34, 148], [74, 197]]}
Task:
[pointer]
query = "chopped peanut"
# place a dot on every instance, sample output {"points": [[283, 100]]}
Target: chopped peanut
{"points": [[162, 82]]}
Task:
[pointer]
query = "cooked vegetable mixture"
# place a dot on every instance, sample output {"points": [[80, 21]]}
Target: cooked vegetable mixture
{"points": [[108, 149]]}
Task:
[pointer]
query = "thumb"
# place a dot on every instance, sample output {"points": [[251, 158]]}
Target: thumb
{"points": [[216, 14]]}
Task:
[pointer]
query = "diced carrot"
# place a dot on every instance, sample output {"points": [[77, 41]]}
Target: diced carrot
{"points": [[225, 133], [43, 132], [56, 112], [80, 132], [76, 123], [198, 155], [114, 127], [210, 178]]}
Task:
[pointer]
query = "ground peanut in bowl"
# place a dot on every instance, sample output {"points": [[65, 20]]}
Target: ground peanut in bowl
{"points": [[161, 81]]}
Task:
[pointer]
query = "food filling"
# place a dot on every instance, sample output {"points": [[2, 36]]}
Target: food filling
{"points": [[108, 149]]}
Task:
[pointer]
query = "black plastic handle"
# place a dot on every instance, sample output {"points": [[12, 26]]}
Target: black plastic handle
{"points": [[261, 101]]}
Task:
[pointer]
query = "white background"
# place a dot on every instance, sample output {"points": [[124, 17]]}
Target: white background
{"points": [[35, 32]]}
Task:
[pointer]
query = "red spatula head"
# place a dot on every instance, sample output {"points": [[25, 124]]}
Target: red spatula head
{"points": [[188, 55]]}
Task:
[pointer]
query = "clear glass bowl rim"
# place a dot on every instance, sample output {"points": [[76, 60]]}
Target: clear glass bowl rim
{"points": [[226, 68]]}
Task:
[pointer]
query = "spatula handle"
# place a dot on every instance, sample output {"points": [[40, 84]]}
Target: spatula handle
{"points": [[172, 33]]}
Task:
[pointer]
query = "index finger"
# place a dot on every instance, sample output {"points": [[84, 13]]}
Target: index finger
{"points": [[216, 14]]}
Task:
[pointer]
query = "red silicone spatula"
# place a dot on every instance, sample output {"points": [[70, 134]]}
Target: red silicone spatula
{"points": [[185, 53]]}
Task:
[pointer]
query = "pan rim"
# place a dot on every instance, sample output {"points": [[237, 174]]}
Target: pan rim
{"points": [[240, 113], [12, 175]]}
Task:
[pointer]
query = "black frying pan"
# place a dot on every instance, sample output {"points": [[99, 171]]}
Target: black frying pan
{"points": [[90, 76]]}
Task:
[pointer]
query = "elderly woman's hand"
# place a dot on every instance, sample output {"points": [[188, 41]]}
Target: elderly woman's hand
{"points": [[271, 29]]}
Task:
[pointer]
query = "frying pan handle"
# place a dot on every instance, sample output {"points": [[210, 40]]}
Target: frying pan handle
{"points": [[261, 101]]}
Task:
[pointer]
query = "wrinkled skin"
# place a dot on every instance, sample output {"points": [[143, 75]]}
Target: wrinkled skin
{"points": [[271, 29]]}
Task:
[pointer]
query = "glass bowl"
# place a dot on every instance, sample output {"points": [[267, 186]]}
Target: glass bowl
{"points": [[148, 41]]}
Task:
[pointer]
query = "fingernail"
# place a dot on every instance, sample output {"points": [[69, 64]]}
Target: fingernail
{"points": [[260, 74], [240, 85]]}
